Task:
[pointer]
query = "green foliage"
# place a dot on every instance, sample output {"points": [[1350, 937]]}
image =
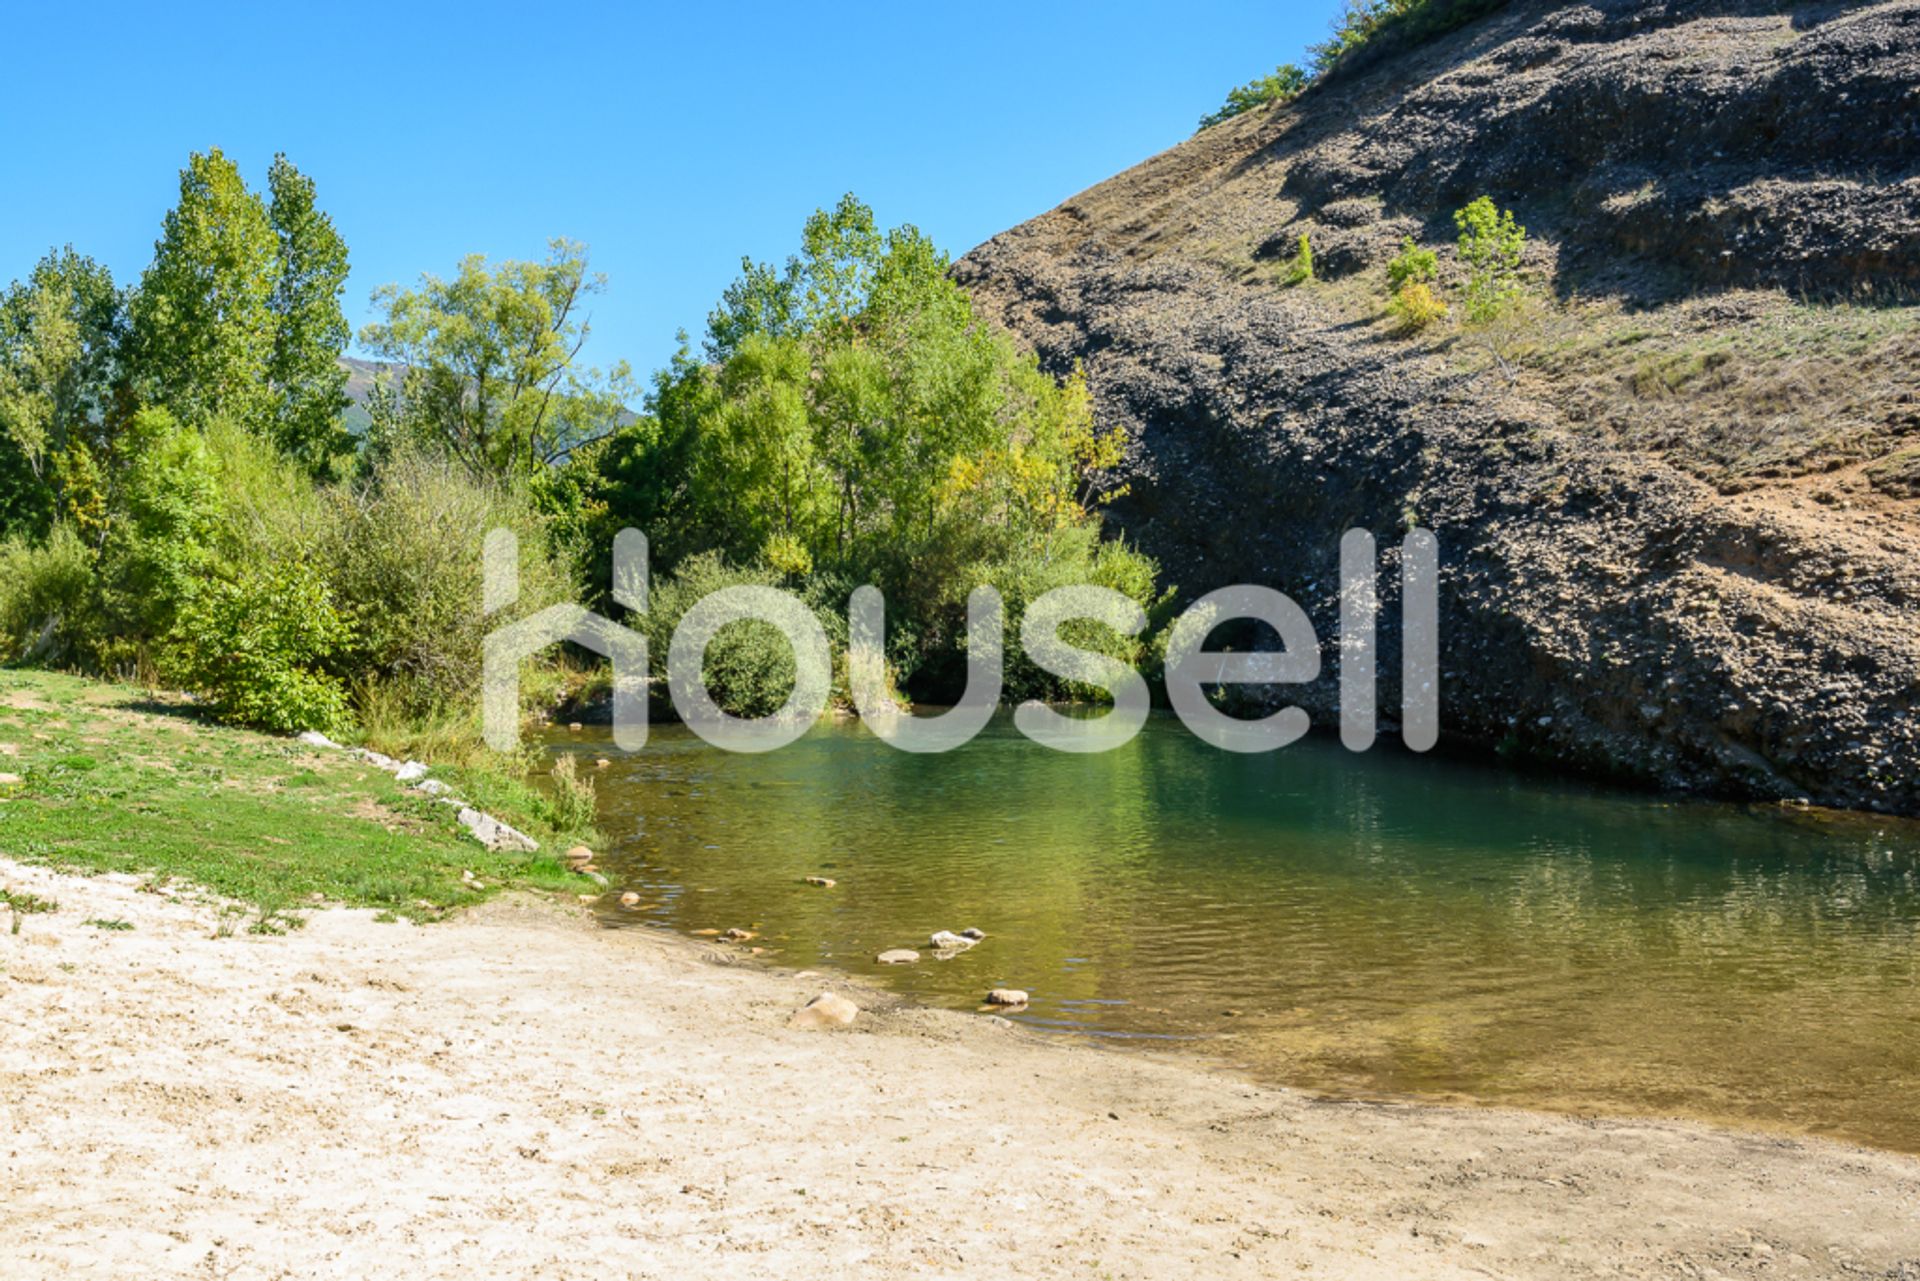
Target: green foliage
{"points": [[1300, 268], [203, 320], [749, 668], [258, 645], [1369, 29], [861, 425], [402, 552], [60, 334], [1413, 266], [490, 359], [1491, 245], [1285, 84], [159, 545], [47, 598], [310, 330]]}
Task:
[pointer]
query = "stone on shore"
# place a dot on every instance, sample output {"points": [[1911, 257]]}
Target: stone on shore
{"points": [[824, 1011], [411, 772], [494, 834], [579, 857], [898, 956]]}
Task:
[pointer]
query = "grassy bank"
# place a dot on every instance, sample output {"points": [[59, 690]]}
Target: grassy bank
{"points": [[113, 778]]}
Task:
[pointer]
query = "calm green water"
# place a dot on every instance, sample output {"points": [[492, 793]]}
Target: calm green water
{"points": [[1378, 924]]}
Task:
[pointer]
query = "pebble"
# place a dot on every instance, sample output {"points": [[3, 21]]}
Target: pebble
{"points": [[824, 882], [898, 956], [739, 936], [1006, 996], [601, 762], [579, 856], [629, 899]]}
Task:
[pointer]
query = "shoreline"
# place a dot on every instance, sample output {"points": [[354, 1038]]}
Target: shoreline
{"points": [[520, 1090]]}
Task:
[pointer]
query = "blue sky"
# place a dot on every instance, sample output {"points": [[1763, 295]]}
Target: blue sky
{"points": [[671, 140]]}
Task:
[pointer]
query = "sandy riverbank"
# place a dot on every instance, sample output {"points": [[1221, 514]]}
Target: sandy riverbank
{"points": [[520, 1094]]}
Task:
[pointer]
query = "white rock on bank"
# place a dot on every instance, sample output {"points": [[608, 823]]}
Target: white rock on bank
{"points": [[494, 834], [411, 772], [314, 738]]}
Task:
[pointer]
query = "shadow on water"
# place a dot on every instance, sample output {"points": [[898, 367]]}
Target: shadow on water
{"points": [[1377, 924]]}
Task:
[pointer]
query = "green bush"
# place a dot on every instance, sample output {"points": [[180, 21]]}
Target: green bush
{"points": [[160, 541], [1491, 245], [1285, 84], [1413, 266], [1300, 269], [257, 645], [48, 609], [403, 555], [749, 668]]}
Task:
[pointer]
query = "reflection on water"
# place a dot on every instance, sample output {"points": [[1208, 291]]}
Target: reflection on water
{"points": [[1373, 924]]}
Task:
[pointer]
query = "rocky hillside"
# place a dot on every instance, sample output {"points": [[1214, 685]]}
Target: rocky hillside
{"points": [[1677, 491]]}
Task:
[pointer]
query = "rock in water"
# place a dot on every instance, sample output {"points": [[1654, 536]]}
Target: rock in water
{"points": [[825, 1010], [948, 941], [824, 882], [629, 899], [898, 956], [738, 936], [1006, 996], [971, 933]]}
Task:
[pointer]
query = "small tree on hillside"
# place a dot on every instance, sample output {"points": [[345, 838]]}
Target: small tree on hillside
{"points": [[1491, 245]]}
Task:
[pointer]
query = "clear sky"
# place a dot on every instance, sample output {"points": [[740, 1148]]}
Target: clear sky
{"points": [[672, 139]]}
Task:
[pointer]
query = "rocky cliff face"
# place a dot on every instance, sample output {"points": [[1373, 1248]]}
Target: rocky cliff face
{"points": [[1675, 492]]}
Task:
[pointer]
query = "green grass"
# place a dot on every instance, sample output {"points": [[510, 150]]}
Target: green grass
{"points": [[115, 780]]}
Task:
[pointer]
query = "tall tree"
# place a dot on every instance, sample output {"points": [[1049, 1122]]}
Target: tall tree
{"points": [[491, 361], [310, 330], [203, 321], [60, 333]]}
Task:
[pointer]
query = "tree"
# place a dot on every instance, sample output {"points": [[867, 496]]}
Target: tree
{"points": [[310, 330], [490, 362], [203, 321], [60, 335], [1491, 244], [1285, 84]]}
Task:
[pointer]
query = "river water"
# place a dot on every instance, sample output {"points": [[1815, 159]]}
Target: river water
{"points": [[1381, 925]]}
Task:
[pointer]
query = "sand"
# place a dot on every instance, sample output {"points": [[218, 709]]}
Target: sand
{"points": [[517, 1093]]}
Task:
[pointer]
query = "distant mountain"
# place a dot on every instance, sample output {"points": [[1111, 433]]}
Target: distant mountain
{"points": [[363, 374]]}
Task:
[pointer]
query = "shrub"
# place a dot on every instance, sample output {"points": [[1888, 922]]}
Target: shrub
{"points": [[749, 668], [1415, 307], [48, 609], [160, 539], [1300, 269], [1285, 84], [1491, 244], [1413, 266], [403, 553], [258, 644]]}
